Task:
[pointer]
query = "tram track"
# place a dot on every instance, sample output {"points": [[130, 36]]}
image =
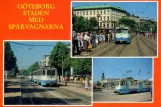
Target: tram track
{"points": [[118, 52], [150, 42], [140, 52], [96, 51], [151, 47], [46, 94], [83, 99], [38, 95]]}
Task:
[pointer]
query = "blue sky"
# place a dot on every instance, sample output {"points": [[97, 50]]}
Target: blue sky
{"points": [[116, 67], [149, 8], [27, 55]]}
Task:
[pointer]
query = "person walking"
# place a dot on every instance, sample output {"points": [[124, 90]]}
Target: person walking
{"points": [[75, 43], [93, 41], [109, 37], [86, 85], [86, 41]]}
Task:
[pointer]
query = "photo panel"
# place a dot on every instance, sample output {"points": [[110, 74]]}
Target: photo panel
{"points": [[43, 73], [114, 28], [123, 80]]}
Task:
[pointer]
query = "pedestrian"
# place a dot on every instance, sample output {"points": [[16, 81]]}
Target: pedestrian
{"points": [[109, 37], [86, 41], [93, 41], [75, 43], [86, 85], [113, 36], [96, 39]]}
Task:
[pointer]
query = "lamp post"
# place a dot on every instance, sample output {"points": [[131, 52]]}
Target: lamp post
{"points": [[98, 15]]}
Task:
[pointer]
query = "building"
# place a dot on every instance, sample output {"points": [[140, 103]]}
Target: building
{"points": [[45, 61], [107, 15], [136, 18]]}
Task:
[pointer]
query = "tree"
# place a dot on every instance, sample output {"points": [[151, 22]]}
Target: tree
{"points": [[92, 22], [10, 59], [81, 24], [82, 66], [128, 22], [57, 56], [31, 68]]}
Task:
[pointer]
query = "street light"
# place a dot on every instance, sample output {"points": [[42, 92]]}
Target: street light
{"points": [[98, 15]]}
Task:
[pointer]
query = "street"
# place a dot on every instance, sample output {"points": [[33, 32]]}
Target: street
{"points": [[33, 94], [110, 96], [139, 46]]}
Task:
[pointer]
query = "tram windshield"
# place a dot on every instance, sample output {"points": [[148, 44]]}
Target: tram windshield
{"points": [[122, 83], [51, 72], [117, 83], [122, 30]]}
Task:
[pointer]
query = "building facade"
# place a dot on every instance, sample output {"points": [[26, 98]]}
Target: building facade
{"points": [[45, 61], [107, 15]]}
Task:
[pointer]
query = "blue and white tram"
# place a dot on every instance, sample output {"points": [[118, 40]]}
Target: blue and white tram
{"points": [[123, 34], [125, 86], [48, 76]]}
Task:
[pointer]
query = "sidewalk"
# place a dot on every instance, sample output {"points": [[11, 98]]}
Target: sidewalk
{"points": [[76, 88], [12, 92]]}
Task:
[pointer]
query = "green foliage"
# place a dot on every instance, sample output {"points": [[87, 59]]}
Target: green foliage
{"points": [[92, 22], [146, 26], [80, 24], [128, 22], [58, 54], [33, 67], [9, 57], [82, 66]]}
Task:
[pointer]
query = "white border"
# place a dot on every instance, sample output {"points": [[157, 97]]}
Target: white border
{"points": [[113, 56], [108, 102], [44, 41]]}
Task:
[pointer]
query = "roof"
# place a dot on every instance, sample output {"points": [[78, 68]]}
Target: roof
{"points": [[103, 6]]}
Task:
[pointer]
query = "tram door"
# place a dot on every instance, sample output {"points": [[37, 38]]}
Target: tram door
{"points": [[140, 86], [127, 86]]}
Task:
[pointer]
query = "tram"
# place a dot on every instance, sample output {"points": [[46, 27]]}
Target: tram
{"points": [[45, 76], [124, 86], [123, 34]]}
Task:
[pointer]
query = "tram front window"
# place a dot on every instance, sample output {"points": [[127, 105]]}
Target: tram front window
{"points": [[117, 83], [122, 31], [122, 83], [51, 72]]}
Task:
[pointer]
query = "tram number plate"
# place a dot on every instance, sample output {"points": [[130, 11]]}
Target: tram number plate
{"points": [[121, 41]]}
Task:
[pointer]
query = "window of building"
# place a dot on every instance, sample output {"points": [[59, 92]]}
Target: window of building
{"points": [[90, 12], [104, 17], [104, 11], [112, 18], [86, 12], [83, 12], [100, 18], [93, 12], [107, 18], [101, 11], [97, 12], [107, 25], [103, 25], [100, 23]]}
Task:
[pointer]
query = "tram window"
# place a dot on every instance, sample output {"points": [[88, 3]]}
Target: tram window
{"points": [[117, 83], [122, 82], [43, 72], [122, 31], [50, 72]]}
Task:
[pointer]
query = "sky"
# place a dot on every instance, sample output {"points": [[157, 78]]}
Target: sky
{"points": [[27, 55], [149, 8], [117, 67]]}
